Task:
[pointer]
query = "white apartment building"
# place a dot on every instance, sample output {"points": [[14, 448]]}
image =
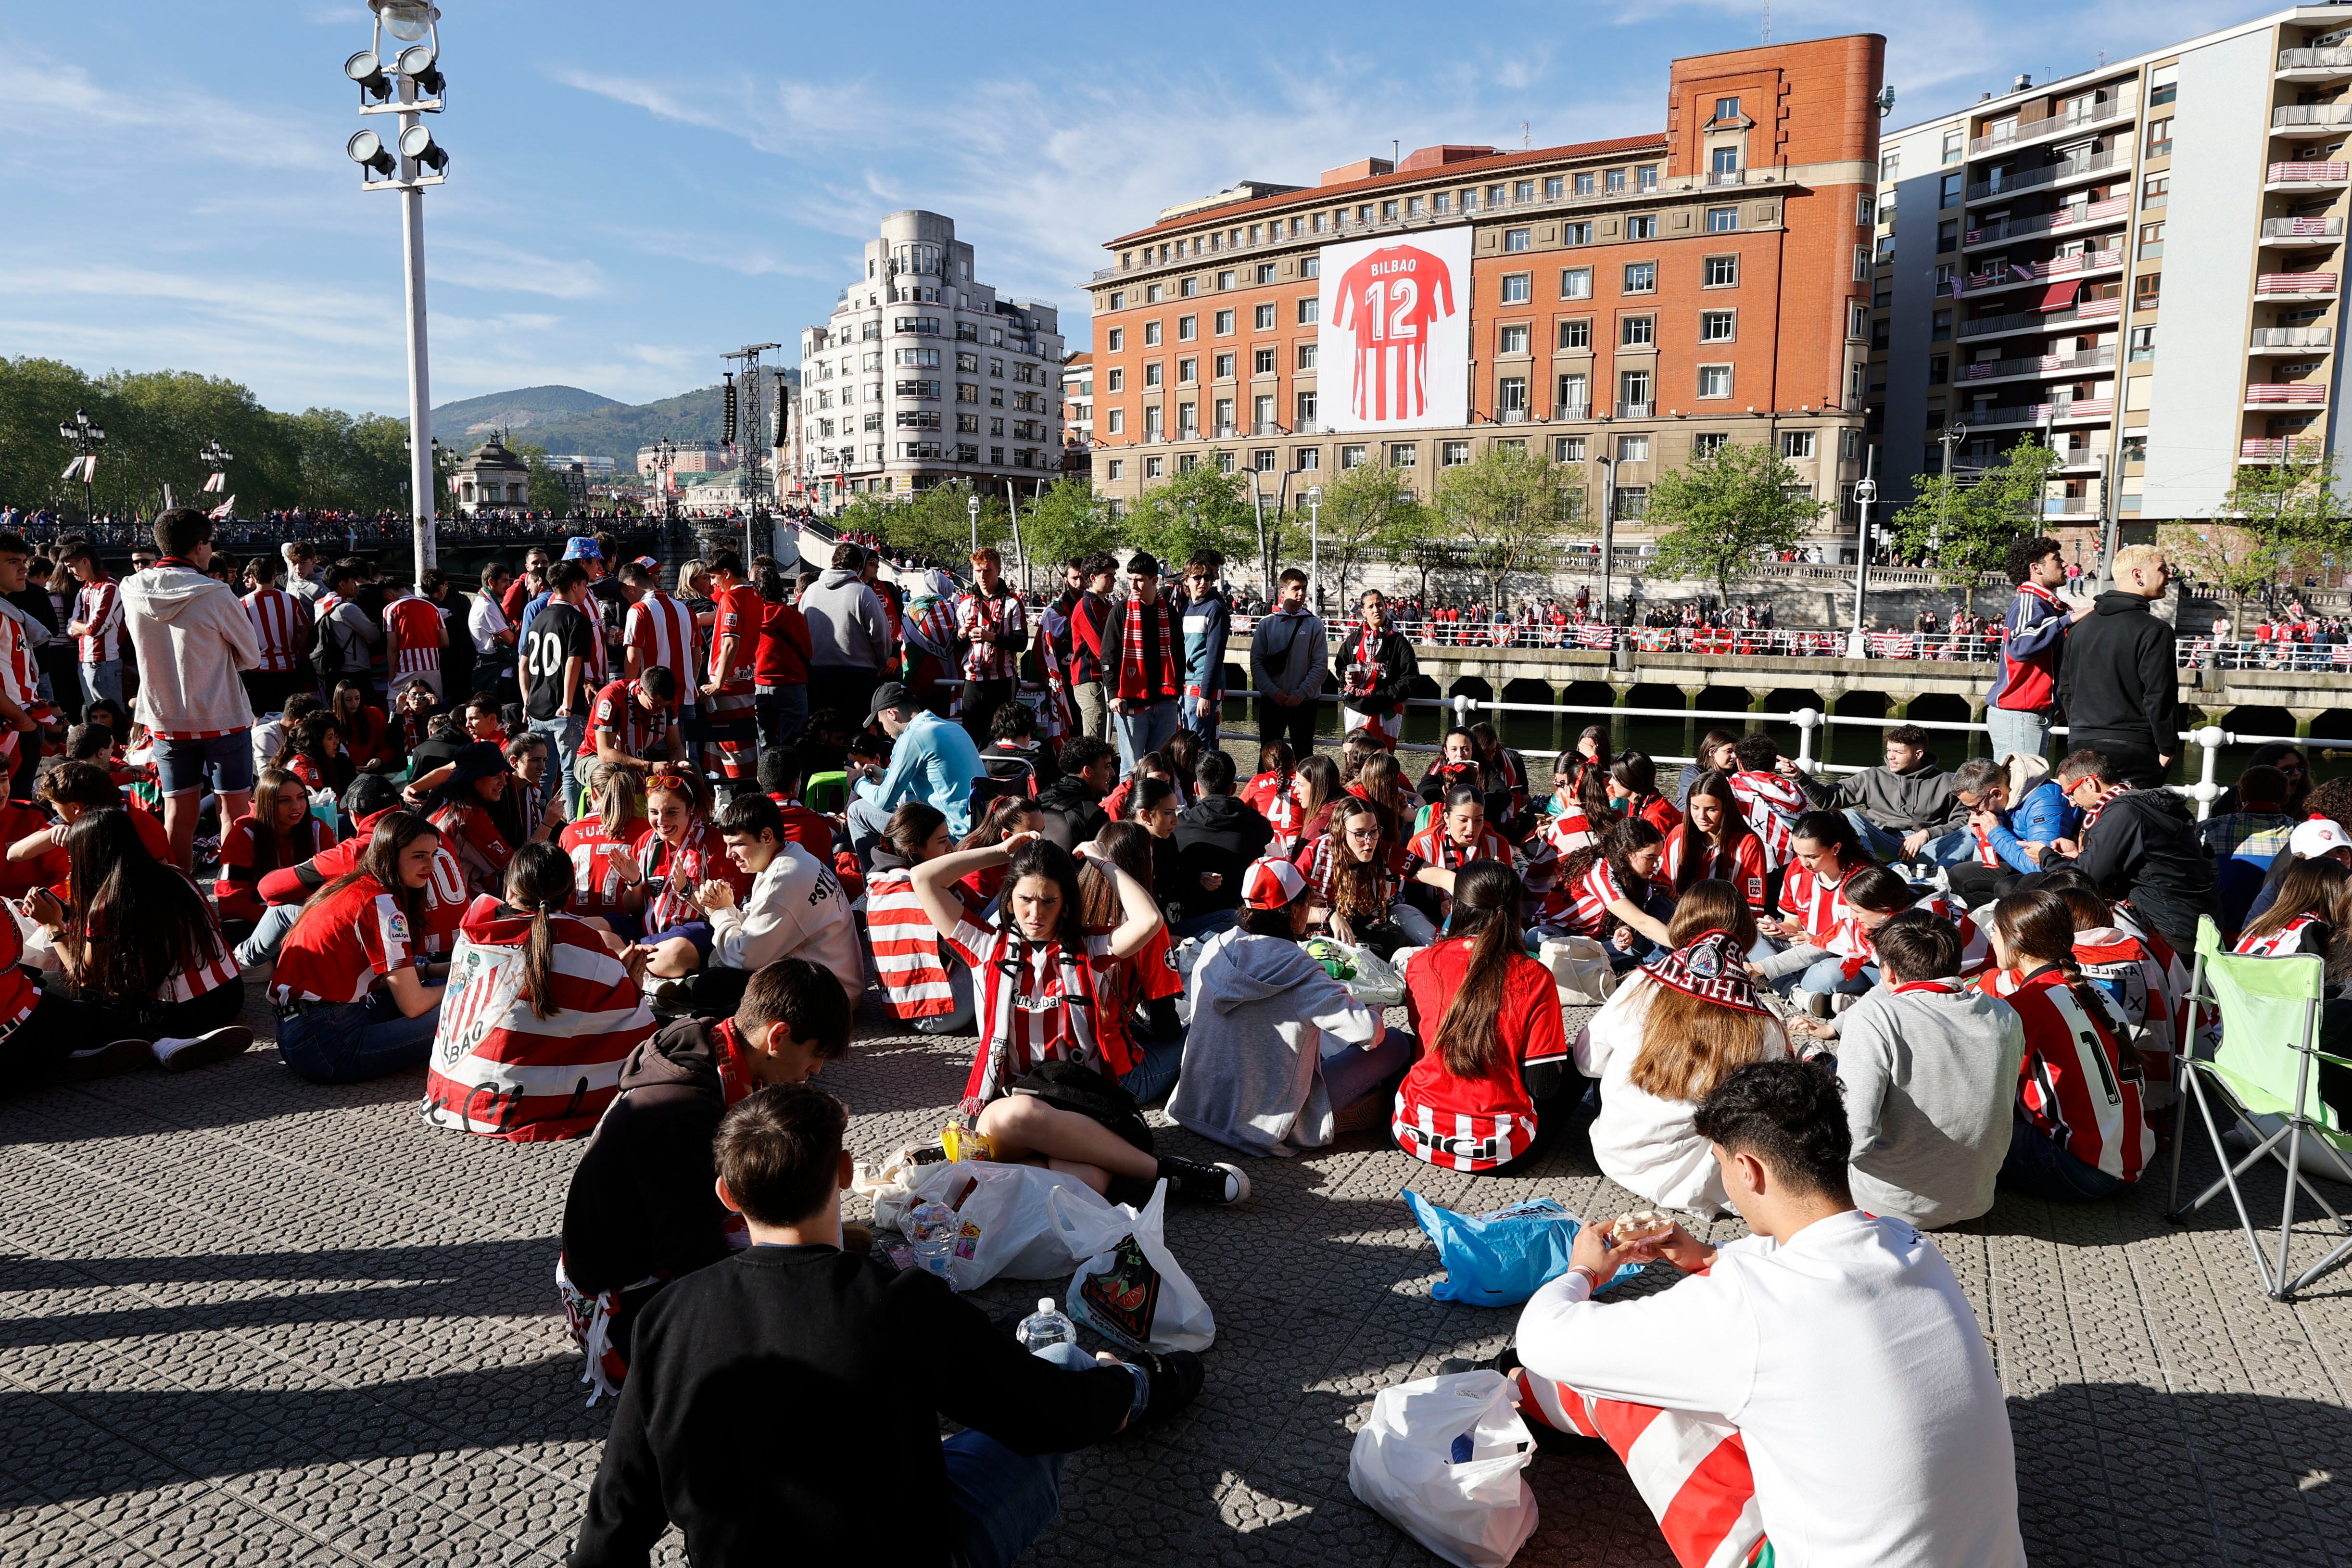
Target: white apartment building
{"points": [[1078, 408], [2139, 265], [923, 376]]}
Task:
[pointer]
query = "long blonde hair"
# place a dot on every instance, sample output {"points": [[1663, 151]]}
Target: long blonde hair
{"points": [[1688, 1044]]}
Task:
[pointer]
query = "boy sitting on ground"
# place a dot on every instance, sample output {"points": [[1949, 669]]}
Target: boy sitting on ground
{"points": [[796, 909]]}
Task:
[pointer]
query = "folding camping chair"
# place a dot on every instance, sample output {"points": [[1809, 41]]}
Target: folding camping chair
{"points": [[2267, 1066]]}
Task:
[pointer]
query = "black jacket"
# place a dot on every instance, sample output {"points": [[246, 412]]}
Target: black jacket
{"points": [[772, 1400], [1072, 810], [1395, 670], [1218, 833], [641, 1200], [2119, 680], [2146, 847]]}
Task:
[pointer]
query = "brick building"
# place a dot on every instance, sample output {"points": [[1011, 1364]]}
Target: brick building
{"points": [[1635, 299]]}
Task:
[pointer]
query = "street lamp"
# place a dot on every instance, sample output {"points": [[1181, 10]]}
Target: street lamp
{"points": [[218, 458], [1865, 490], [972, 510], [413, 86], [1608, 528], [85, 438]]}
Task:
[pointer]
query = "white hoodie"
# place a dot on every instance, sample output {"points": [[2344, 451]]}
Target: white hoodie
{"points": [[192, 636]]}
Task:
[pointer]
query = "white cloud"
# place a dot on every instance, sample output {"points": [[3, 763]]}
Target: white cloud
{"points": [[58, 106], [474, 262]]}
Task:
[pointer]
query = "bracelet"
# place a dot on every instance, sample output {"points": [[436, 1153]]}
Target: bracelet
{"points": [[1591, 1276]]}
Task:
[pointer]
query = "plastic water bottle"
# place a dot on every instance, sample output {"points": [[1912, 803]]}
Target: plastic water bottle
{"points": [[931, 1228], [1045, 1327]]}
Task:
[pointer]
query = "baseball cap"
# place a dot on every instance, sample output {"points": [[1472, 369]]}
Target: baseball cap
{"points": [[2318, 836], [1272, 884], [889, 694], [579, 547], [649, 562]]}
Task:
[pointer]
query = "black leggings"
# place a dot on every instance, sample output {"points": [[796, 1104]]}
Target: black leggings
{"points": [[60, 1025]]}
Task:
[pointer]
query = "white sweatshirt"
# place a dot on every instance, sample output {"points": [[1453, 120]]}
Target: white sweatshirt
{"points": [[796, 909], [192, 636], [1852, 1366]]}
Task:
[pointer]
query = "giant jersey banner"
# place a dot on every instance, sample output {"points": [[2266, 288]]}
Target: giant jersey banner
{"points": [[1394, 348]]}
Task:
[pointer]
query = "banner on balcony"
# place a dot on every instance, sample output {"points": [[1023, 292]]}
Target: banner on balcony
{"points": [[1393, 344]]}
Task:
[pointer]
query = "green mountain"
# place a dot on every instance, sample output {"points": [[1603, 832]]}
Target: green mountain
{"points": [[593, 425]]}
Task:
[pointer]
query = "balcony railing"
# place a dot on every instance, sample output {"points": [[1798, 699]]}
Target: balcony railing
{"points": [[2027, 179], [2088, 310], [2040, 413], [2025, 130], [2277, 447], [2019, 273], [2303, 228], [2294, 337], [1629, 409], [2064, 218], [1267, 427], [2288, 116], [2070, 506], [2295, 283], [1985, 370], [2315, 59], [1227, 432], [2286, 392], [1726, 177], [2334, 174]]}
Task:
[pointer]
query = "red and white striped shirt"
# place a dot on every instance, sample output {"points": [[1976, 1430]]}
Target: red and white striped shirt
{"points": [[1591, 894], [197, 974], [1430, 846], [592, 850], [1475, 1123], [998, 616], [19, 682], [740, 614], [412, 628], [1811, 904], [279, 621], [2285, 942], [635, 728], [2079, 1084], [501, 1070], [1745, 869], [98, 604], [662, 631], [1037, 1004], [1771, 804], [906, 948]]}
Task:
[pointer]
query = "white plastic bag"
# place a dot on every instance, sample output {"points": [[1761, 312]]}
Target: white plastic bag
{"points": [[1579, 968], [1440, 1458], [1377, 982], [1128, 1286], [1008, 1225]]}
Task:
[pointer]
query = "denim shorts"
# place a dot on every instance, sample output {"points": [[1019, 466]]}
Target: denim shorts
{"points": [[696, 931], [225, 761]]}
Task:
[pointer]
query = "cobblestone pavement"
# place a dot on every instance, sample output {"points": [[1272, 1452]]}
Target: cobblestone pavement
{"points": [[247, 1320]]}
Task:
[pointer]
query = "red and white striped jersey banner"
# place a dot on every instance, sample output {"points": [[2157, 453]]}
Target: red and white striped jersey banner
{"points": [[1596, 637], [1892, 644]]}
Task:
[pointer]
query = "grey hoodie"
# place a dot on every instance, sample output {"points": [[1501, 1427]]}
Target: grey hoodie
{"points": [[193, 636], [1928, 1076], [1261, 1011], [1919, 796], [848, 628]]}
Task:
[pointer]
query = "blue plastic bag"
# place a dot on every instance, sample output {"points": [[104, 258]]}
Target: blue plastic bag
{"points": [[1500, 1259]]}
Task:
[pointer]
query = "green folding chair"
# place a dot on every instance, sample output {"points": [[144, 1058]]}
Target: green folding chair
{"points": [[2266, 1068], [825, 791]]}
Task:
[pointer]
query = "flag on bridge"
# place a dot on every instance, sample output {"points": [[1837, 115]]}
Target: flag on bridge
{"points": [[1892, 644], [1596, 637]]}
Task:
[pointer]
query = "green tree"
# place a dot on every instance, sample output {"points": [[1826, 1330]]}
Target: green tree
{"points": [[1965, 529], [1201, 509], [1419, 539], [1067, 521], [2271, 514], [1719, 513], [1508, 511], [1367, 513], [932, 525]]}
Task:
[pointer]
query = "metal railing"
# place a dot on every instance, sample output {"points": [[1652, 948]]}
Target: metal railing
{"points": [[2018, 273], [1633, 408], [2022, 130], [2097, 359], [1725, 177], [2043, 413], [2294, 337], [2003, 185], [2286, 392], [2303, 228], [2295, 283], [2309, 173], [2279, 447], [2292, 114], [2073, 217], [2315, 59], [2026, 321]]}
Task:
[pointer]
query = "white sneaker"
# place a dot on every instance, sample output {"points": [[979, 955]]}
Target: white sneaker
{"points": [[180, 1055]]}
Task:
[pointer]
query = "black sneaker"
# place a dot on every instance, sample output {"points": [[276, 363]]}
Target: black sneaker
{"points": [[1190, 1180], [104, 1062], [1176, 1377], [1548, 1438]]}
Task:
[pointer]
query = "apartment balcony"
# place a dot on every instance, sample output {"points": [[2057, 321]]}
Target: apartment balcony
{"points": [[2302, 231], [2294, 285], [2307, 177], [2039, 321], [2314, 65], [1715, 177], [2001, 185], [2089, 215], [2279, 448], [2071, 506], [2023, 132], [2018, 275], [2302, 118], [2036, 366], [1225, 432], [2271, 395], [2291, 340], [2074, 410], [1267, 427], [1629, 409]]}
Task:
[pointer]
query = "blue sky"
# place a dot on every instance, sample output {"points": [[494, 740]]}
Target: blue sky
{"points": [[634, 188]]}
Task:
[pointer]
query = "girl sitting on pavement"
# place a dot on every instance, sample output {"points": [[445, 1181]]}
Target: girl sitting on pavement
{"points": [[353, 997]]}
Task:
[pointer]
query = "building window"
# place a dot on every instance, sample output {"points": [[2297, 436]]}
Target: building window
{"points": [[1307, 459], [2152, 191], [1576, 233], [1118, 300], [1311, 267], [1953, 145], [1225, 324], [1114, 380], [1641, 228], [1633, 393], [1568, 448], [2145, 290], [1262, 318], [1225, 279], [2143, 345], [1403, 455], [1722, 220], [1351, 457], [1453, 454], [1614, 181], [1187, 327], [1188, 422], [1570, 400], [1640, 277], [1861, 264], [1865, 210], [1797, 442], [1720, 272], [1707, 444], [1632, 448], [2159, 137], [1511, 399], [1261, 460], [1154, 468], [1857, 320], [1412, 207], [1151, 373], [1576, 332], [1118, 421], [1443, 202], [1523, 191], [1948, 191], [1470, 201], [1939, 327], [1715, 381], [1266, 272], [1303, 410], [1637, 331], [1512, 339], [1718, 326], [1517, 238], [1576, 282], [1939, 369], [1646, 176], [1584, 184], [1223, 414], [1519, 287], [1188, 371], [1117, 341], [1115, 471], [1225, 367], [1151, 333], [1890, 168], [1308, 309], [1262, 362], [2151, 241], [1388, 212], [1726, 108], [1554, 188], [1306, 356]]}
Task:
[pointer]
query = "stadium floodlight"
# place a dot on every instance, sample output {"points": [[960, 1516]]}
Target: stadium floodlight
{"points": [[407, 20], [366, 149], [418, 143]]}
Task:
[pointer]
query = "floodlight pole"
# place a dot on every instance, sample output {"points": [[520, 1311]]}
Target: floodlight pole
{"points": [[420, 476]]}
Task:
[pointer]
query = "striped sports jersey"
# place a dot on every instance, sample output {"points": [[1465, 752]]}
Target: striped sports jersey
{"points": [[674, 872], [1475, 1123], [2079, 1084], [1590, 895], [740, 614], [501, 1070], [20, 682], [98, 604], [341, 944], [998, 616], [412, 630], [1430, 846], [2285, 942], [1771, 804], [1392, 301], [1038, 1002], [592, 851], [662, 632], [472, 834], [906, 948], [1319, 862], [19, 991], [1813, 904], [636, 730], [278, 619], [201, 973], [1743, 867]]}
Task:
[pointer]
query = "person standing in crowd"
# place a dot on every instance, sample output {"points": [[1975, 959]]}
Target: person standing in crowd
{"points": [[993, 626], [302, 574], [97, 625], [931, 760], [2032, 648], [1288, 650], [780, 673], [559, 656], [1085, 605], [346, 635], [658, 630], [494, 637], [849, 635], [1207, 620], [415, 636], [734, 654], [1142, 629], [525, 588], [2120, 684], [192, 636], [1376, 670], [281, 625], [21, 704]]}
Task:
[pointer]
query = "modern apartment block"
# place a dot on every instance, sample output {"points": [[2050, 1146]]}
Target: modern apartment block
{"points": [[1077, 412], [923, 376], [2139, 266], [1620, 305]]}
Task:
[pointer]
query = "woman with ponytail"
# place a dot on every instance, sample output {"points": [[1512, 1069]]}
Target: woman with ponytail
{"points": [[2081, 1133], [539, 1015], [1674, 1029], [1488, 1020], [1609, 892], [603, 848]]}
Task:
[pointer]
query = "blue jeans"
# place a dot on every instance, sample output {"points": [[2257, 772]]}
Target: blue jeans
{"points": [[1005, 1501], [1950, 849], [2037, 1164], [352, 1042], [562, 736], [1881, 845], [1145, 731], [268, 933], [1155, 1071], [2017, 734], [1204, 727], [1349, 1074], [102, 677], [783, 714], [1829, 977]]}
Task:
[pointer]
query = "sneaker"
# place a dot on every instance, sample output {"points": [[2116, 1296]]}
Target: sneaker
{"points": [[1548, 1438], [214, 1046], [1842, 1001], [670, 993], [1176, 1377], [1194, 1182], [1817, 1003], [104, 1061]]}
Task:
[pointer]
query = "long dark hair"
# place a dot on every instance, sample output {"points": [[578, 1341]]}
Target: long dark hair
{"points": [[1044, 858], [143, 921], [272, 848], [1127, 845], [1358, 887], [394, 831], [1616, 843], [1181, 753], [768, 579], [1698, 853], [1486, 914], [2038, 925], [539, 882], [307, 738]]}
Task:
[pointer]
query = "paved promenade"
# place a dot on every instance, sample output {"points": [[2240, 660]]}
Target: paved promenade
{"points": [[247, 1320]]}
